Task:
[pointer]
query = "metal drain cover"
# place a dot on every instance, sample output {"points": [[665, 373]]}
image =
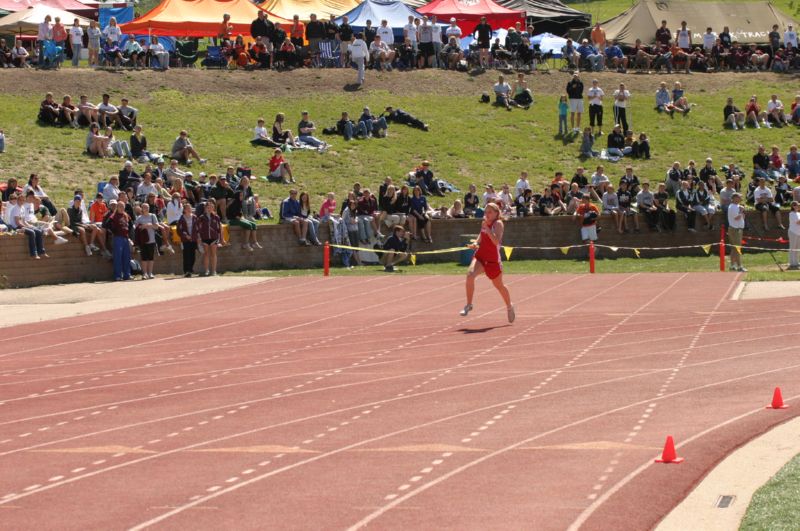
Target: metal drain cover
{"points": [[725, 501]]}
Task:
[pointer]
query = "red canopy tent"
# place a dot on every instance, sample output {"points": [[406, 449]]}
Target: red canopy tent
{"points": [[468, 13]]}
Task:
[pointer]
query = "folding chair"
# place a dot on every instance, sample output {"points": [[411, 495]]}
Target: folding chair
{"points": [[186, 52], [50, 55], [214, 58], [329, 54]]}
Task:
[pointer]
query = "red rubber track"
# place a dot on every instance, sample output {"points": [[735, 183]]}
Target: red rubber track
{"points": [[343, 403]]}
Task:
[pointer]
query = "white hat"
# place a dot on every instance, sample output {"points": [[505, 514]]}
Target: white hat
{"points": [[452, 19]]}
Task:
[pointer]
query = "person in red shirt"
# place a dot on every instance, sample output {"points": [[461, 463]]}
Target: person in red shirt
{"points": [[119, 225], [487, 259], [279, 169], [587, 215]]}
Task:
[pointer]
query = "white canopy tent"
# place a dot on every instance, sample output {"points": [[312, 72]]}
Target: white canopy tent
{"points": [[26, 21]]}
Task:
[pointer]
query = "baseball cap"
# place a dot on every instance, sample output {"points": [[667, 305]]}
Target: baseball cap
{"points": [[452, 19]]}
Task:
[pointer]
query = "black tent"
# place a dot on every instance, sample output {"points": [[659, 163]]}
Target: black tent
{"points": [[550, 15]]}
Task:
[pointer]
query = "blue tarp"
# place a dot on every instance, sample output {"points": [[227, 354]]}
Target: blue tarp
{"points": [[394, 12], [122, 14]]}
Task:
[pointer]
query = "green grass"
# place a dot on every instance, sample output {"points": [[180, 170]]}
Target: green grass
{"points": [[602, 10], [775, 506], [468, 142], [761, 267]]}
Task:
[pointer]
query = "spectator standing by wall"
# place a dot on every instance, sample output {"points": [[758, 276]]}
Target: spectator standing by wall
{"points": [[119, 225], [736, 220], [794, 236]]}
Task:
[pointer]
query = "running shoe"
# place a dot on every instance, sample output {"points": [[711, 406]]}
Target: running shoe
{"points": [[511, 314], [466, 310]]}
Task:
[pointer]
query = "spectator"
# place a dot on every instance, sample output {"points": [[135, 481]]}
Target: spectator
{"points": [[367, 209], [375, 126], [794, 236], [49, 110], [522, 95], [188, 233], [119, 225], [93, 36], [483, 34], [307, 213], [327, 209], [679, 101], [586, 215], [97, 144], [758, 59], [290, 213], [222, 194], [76, 41], [235, 215], [209, 232], [793, 162], [587, 143], [575, 93], [171, 173], [525, 204], [402, 117], [112, 53], [611, 207], [129, 178], [591, 55], [622, 99], [616, 58], [183, 150], [419, 219], [396, 247], [631, 180], [119, 148], [732, 116], [708, 175], [761, 164], [615, 144], [281, 135], [160, 53], [472, 202], [775, 112], [666, 215], [452, 54], [19, 55], [663, 34], [19, 218], [502, 93], [60, 39], [261, 137], [645, 204], [705, 205], [563, 107], [45, 33], [790, 37], [641, 147], [765, 203], [625, 199], [674, 178], [358, 54], [146, 225], [133, 52], [6, 59], [138, 145], [35, 186], [380, 53], [127, 114], [736, 221], [595, 95], [305, 130], [279, 169], [600, 181]]}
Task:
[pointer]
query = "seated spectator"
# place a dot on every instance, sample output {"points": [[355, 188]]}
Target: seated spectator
{"points": [[631, 180], [281, 135], [645, 205], [119, 148], [68, 113], [391, 212], [664, 99], [615, 57], [419, 219], [6, 60], [502, 93], [261, 136], [279, 169], [307, 213], [616, 144], [259, 53], [286, 56], [795, 108], [708, 176], [500, 54], [641, 147], [327, 209], [290, 213], [685, 202], [679, 101], [239, 58], [87, 233], [525, 204], [235, 215], [111, 190], [400, 116], [739, 57], [396, 246], [35, 186], [775, 168], [452, 54], [600, 181], [732, 116], [97, 144], [146, 187], [172, 173], [590, 54], [754, 115], [691, 175], [456, 211], [19, 55], [549, 205], [305, 131], [793, 162], [718, 56], [49, 110], [472, 202], [222, 193], [183, 150], [666, 215], [674, 177], [367, 210], [705, 205], [505, 201], [698, 60], [380, 53], [611, 207], [88, 113], [765, 203], [522, 94], [761, 164], [425, 179], [626, 211], [159, 53], [407, 55], [346, 127], [16, 221], [112, 53], [138, 145], [350, 219], [375, 126], [680, 56], [642, 56], [134, 52], [758, 59], [775, 113], [587, 142], [127, 114], [128, 177]]}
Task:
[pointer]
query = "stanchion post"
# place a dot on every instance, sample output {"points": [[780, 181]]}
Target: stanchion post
{"points": [[722, 248], [326, 259], [591, 256]]}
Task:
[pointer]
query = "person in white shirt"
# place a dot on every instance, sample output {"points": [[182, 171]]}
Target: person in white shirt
{"points": [[522, 184], [380, 53], [426, 50], [19, 55], [684, 38], [76, 40], [160, 53], [134, 51], [358, 54], [453, 30], [600, 181], [174, 209], [765, 203], [410, 32], [108, 113], [794, 236], [94, 33], [385, 33], [621, 100], [16, 218], [709, 39], [735, 228], [113, 31], [775, 111], [507, 201], [790, 37], [261, 136], [595, 95]]}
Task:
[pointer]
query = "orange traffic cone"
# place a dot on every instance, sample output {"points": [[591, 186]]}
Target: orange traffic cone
{"points": [[668, 456], [777, 400]]}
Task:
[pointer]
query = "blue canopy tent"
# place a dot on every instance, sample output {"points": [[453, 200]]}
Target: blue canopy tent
{"points": [[394, 12]]}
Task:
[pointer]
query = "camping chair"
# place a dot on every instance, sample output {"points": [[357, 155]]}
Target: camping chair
{"points": [[329, 54], [214, 58], [540, 59], [50, 55], [186, 52]]}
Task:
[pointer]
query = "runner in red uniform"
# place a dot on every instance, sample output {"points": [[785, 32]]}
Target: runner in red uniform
{"points": [[487, 259]]}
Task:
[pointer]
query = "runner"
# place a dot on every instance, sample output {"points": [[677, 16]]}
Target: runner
{"points": [[487, 259]]}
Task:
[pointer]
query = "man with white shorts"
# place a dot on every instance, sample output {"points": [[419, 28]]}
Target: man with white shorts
{"points": [[575, 95]]}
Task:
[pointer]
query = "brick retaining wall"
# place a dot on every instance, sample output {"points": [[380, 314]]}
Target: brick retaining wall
{"points": [[68, 263]]}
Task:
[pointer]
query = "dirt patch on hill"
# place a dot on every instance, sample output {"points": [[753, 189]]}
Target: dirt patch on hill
{"points": [[302, 82]]}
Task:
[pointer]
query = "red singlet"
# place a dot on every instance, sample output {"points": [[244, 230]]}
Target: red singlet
{"points": [[488, 254]]}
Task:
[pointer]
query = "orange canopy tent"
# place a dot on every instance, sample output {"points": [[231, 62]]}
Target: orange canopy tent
{"points": [[197, 18], [303, 8]]}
